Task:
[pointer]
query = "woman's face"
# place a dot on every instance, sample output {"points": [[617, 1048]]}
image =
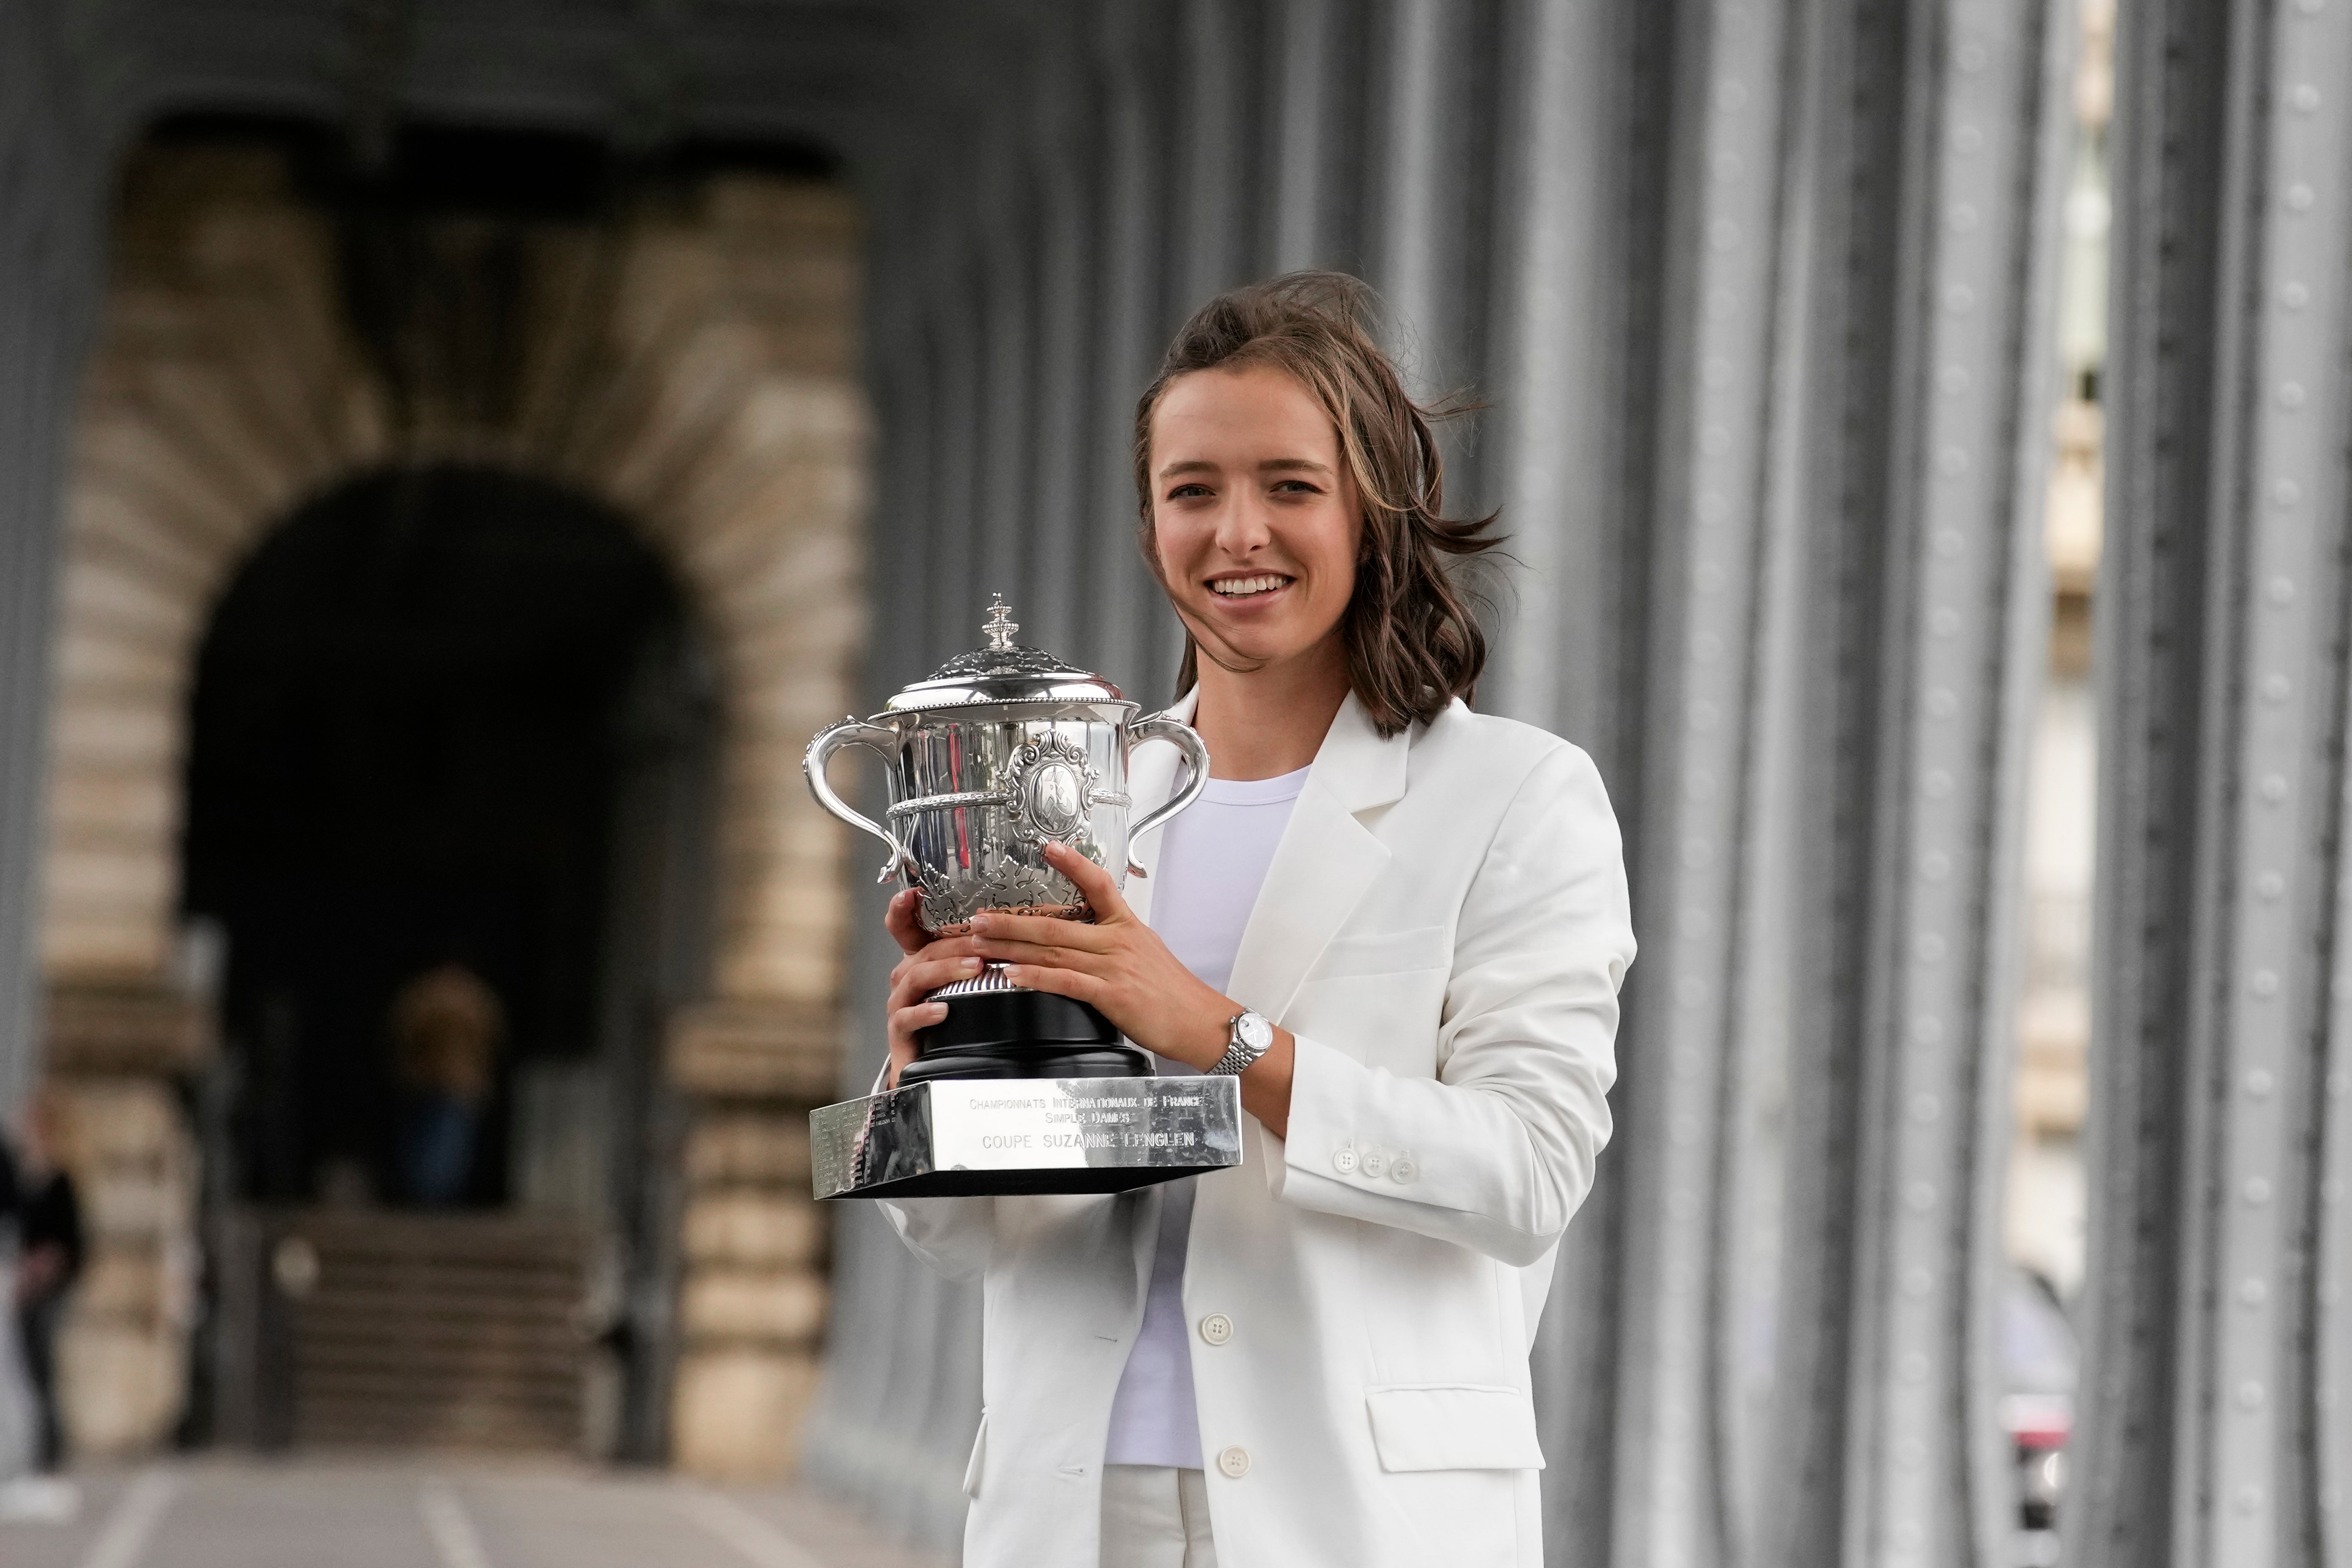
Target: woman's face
{"points": [[1253, 514]]}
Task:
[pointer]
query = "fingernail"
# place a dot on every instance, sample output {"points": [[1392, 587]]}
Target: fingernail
{"points": [[970, 966]]}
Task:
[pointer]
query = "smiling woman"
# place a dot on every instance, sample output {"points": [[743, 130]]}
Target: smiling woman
{"points": [[1304, 442], [1401, 924]]}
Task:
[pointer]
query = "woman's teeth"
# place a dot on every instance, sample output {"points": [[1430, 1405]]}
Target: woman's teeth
{"points": [[1239, 587]]}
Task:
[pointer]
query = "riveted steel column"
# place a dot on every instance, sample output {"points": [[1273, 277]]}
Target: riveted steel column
{"points": [[2219, 1223], [1986, 139], [1304, 125], [51, 268], [1670, 1501], [1129, 631]]}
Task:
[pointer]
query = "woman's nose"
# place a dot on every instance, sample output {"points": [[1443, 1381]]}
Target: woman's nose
{"points": [[1241, 527]]}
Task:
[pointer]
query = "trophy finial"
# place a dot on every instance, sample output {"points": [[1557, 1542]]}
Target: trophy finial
{"points": [[1001, 625]]}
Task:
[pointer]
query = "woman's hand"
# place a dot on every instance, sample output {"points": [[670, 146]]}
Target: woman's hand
{"points": [[928, 964], [1118, 965]]}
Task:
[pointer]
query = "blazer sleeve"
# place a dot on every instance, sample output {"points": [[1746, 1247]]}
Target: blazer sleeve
{"points": [[1501, 1142], [954, 1236]]}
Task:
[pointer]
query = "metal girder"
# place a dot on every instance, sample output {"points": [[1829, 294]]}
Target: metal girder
{"points": [[2214, 1428]]}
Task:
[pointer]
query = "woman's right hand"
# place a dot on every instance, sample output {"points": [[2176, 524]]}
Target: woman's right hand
{"points": [[928, 964]]}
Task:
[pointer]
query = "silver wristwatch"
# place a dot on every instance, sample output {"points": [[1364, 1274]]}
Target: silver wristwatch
{"points": [[1247, 1037]]}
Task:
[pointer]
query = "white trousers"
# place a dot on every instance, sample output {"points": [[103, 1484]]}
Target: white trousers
{"points": [[1155, 1517]]}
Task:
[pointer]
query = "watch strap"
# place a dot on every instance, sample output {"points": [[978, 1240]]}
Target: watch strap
{"points": [[1239, 1054]]}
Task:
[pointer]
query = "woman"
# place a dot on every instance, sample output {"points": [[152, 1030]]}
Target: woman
{"points": [[1403, 923]]}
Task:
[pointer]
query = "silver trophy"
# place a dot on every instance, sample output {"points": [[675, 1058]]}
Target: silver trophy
{"points": [[1004, 751]]}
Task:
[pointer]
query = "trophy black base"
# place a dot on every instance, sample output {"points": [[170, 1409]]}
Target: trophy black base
{"points": [[1021, 1034]]}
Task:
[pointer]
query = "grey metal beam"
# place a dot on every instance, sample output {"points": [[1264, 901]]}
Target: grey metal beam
{"points": [[52, 270], [2211, 1427]]}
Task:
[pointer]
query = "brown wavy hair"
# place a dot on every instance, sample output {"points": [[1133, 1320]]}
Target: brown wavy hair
{"points": [[1413, 644]]}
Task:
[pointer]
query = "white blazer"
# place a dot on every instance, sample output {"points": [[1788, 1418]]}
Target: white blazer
{"points": [[1443, 927]]}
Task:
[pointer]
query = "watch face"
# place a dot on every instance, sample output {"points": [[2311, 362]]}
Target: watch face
{"points": [[1254, 1032]]}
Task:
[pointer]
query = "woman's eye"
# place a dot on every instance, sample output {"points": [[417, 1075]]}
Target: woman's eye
{"points": [[1295, 488], [1187, 492]]}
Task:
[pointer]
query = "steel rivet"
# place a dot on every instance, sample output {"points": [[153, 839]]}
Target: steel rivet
{"points": [[1916, 1280], [2290, 394], [1935, 866], [1963, 218], [2256, 1191], [1966, 139], [1937, 783], [2266, 984], [2258, 1084], [1971, 57], [1920, 1195], [1959, 299], [2273, 788], [2299, 197], [2250, 1396], [2248, 1498], [1910, 1453], [2305, 97], [1952, 380], [2293, 296], [2282, 590], [1926, 1107], [1912, 1368], [1927, 1029], [1942, 703], [2253, 1293], [2275, 688], [1930, 948], [2270, 885], [1944, 622], [1951, 461], [2286, 492]]}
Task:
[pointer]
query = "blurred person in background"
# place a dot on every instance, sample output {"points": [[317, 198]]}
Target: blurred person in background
{"points": [[48, 1261], [446, 1030]]}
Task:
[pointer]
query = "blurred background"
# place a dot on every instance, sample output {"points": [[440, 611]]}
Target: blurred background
{"points": [[454, 455]]}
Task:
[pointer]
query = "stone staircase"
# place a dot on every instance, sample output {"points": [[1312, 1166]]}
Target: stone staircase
{"points": [[435, 1331]]}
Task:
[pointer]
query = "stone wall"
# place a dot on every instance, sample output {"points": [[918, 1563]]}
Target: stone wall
{"points": [[691, 364]]}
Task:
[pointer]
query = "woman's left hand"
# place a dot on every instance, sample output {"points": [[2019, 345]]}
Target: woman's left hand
{"points": [[1117, 965]]}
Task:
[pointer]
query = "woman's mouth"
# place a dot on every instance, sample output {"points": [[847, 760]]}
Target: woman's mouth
{"points": [[1250, 587]]}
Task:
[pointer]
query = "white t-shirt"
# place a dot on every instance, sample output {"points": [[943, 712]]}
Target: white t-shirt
{"points": [[1211, 865]]}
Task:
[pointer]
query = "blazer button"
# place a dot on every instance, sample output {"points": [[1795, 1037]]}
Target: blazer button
{"points": [[1374, 1162], [1216, 1328], [1404, 1170], [1235, 1462], [1344, 1162]]}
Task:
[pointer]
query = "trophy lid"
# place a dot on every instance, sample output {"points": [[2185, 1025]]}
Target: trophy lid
{"points": [[1005, 671]]}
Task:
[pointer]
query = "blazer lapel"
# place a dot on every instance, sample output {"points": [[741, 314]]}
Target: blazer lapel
{"points": [[1325, 862]]}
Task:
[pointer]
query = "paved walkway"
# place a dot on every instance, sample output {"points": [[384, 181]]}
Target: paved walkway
{"points": [[427, 1512]]}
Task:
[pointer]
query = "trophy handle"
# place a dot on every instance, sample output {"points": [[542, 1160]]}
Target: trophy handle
{"points": [[831, 739], [1185, 739]]}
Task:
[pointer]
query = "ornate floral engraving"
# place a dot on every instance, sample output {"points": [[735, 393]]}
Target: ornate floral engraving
{"points": [[952, 897]]}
